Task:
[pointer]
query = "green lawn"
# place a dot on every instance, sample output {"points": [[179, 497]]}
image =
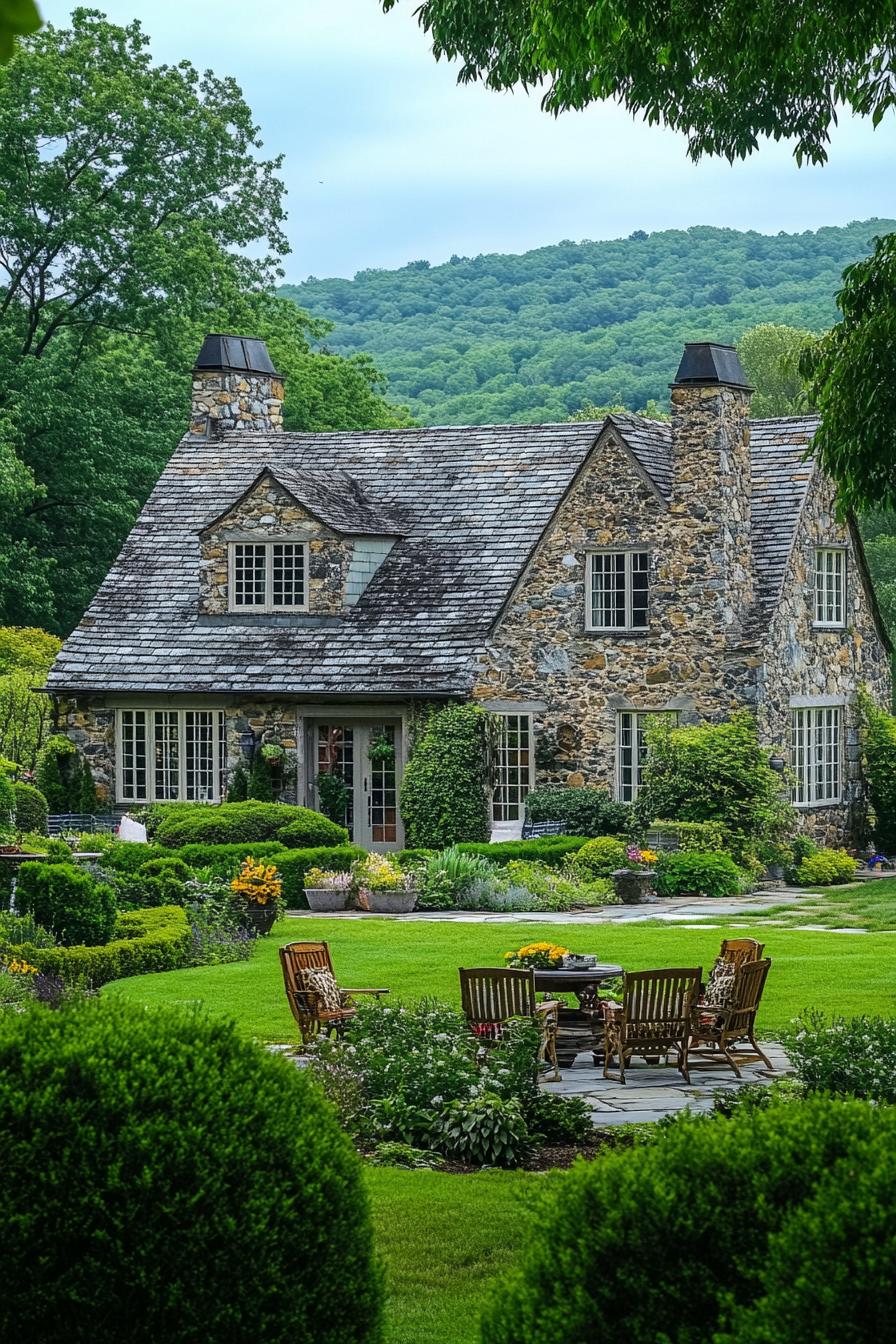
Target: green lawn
{"points": [[848, 973], [444, 1241], [860, 905]]}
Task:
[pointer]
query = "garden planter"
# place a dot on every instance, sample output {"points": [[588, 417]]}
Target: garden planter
{"points": [[327, 898], [386, 902], [259, 919], [634, 886]]}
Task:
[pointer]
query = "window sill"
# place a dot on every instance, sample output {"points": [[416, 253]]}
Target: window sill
{"points": [[614, 632], [819, 806], [823, 625]]}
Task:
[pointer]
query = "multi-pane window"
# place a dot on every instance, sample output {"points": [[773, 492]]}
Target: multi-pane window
{"points": [[268, 576], [513, 767], [170, 755], [631, 750], [830, 586], [616, 590], [816, 755]]}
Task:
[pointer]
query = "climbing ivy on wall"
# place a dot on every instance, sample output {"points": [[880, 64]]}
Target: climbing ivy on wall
{"points": [[445, 790]]}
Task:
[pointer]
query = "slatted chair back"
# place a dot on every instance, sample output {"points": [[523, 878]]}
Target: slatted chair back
{"points": [[657, 1004], [294, 959], [495, 994], [740, 950], [749, 982]]}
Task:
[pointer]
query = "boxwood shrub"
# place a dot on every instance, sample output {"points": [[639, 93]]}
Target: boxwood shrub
{"points": [[826, 868], [67, 901], [747, 1217], [588, 811], [165, 1180], [157, 939], [239, 823], [683, 872], [31, 808], [225, 859], [552, 849]]}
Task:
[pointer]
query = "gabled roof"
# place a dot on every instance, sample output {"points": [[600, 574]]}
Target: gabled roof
{"points": [[468, 505], [333, 498]]}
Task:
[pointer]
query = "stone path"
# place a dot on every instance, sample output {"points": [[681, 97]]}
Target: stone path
{"points": [[654, 1091]]}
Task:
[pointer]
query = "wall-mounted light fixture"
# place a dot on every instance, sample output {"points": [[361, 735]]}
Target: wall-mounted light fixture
{"points": [[777, 763]]}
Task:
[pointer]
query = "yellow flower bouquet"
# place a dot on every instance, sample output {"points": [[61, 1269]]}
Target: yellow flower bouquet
{"points": [[540, 956], [257, 882]]}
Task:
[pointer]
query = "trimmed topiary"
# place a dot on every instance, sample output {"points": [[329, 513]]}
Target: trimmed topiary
{"points": [[682, 1240], [235, 823], [445, 789], [600, 857], [31, 809], [166, 1180], [66, 900]]}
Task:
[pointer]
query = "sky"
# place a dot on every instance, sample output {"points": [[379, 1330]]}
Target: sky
{"points": [[388, 160]]}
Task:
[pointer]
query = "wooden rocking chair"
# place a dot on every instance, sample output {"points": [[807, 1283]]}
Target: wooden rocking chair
{"points": [[492, 996], [654, 1018], [317, 1002], [717, 1030]]}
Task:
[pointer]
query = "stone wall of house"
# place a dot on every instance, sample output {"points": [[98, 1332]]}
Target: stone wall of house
{"points": [[828, 666], [237, 399], [268, 513], [90, 725], [687, 659]]}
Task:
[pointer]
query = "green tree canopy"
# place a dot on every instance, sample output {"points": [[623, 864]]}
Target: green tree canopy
{"points": [[17, 18], [770, 354]]}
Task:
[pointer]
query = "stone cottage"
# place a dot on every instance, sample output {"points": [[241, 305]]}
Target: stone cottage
{"points": [[313, 591]]}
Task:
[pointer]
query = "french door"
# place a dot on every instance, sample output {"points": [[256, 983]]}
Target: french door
{"points": [[365, 757]]}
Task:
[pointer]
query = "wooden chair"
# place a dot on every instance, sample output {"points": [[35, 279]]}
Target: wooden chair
{"points": [[309, 1004], [492, 996], [739, 950], [654, 1018], [716, 1031]]}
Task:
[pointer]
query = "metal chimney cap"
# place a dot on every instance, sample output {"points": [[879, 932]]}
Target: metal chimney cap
{"points": [[245, 354], [709, 362]]}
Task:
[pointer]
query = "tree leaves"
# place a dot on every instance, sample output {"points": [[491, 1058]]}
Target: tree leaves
{"points": [[17, 18]]}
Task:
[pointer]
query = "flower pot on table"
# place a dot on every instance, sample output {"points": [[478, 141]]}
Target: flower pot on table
{"points": [[634, 886], [324, 899], [386, 902]]}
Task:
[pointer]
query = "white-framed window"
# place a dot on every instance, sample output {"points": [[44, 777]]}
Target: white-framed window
{"points": [[268, 576], [616, 589], [816, 755], [513, 767], [170, 755], [830, 587], [631, 749]]}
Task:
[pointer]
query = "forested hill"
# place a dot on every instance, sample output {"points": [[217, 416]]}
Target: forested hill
{"points": [[492, 339]]}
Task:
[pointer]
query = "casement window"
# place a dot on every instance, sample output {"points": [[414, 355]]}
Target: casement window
{"points": [[830, 587], [513, 767], [616, 590], [170, 755], [631, 749], [268, 576], [816, 755]]}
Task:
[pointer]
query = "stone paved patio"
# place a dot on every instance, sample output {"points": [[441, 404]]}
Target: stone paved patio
{"points": [[654, 1091]]}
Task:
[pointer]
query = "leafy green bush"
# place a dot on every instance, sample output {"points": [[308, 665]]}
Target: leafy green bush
{"points": [[7, 808], [444, 792], [826, 868], [599, 857], [485, 1130], [170, 864], [64, 777], [714, 772], [127, 856], [879, 751], [553, 849], [682, 873], [238, 788], [31, 808], [143, 941], [452, 872], [66, 900], [853, 1056], [588, 811], [224, 860], [117, 1125], [559, 1120], [687, 835], [238, 823], [723, 1196]]}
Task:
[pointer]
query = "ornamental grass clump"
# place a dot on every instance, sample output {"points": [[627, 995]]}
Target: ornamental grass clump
{"points": [[166, 1180]]}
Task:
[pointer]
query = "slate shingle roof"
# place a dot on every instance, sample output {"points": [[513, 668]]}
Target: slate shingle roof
{"points": [[468, 506]]}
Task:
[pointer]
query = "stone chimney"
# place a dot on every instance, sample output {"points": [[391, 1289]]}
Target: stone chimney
{"points": [[711, 486], [235, 387]]}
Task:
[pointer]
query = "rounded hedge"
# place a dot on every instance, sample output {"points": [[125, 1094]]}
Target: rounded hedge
{"points": [[165, 1180], [68, 901], [31, 809], [600, 857], [239, 823], [676, 1240]]}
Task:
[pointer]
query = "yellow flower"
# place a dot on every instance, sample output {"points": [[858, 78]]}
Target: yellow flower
{"points": [[257, 882]]}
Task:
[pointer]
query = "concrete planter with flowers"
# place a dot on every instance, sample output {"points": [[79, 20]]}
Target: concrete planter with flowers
{"points": [[326, 891], [382, 888]]}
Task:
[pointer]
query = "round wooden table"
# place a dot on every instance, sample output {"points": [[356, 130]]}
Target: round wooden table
{"points": [[579, 1028]]}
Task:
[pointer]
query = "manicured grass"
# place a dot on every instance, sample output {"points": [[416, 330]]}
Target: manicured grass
{"points": [[839, 973], [860, 905], [444, 1241]]}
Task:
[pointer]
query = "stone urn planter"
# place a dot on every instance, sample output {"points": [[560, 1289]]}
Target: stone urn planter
{"points": [[386, 902], [258, 919], [325, 899], [634, 886]]}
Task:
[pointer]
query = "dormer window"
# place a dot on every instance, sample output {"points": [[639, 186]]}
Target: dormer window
{"points": [[616, 590], [268, 576]]}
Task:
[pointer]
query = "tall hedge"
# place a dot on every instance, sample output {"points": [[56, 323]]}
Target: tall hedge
{"points": [[879, 750], [236, 823], [739, 1230], [67, 901], [444, 792], [166, 1180], [588, 811]]}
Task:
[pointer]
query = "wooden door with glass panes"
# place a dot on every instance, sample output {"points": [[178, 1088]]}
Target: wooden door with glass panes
{"points": [[364, 757]]}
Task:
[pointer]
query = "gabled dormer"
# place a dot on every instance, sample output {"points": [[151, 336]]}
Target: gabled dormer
{"points": [[297, 543]]}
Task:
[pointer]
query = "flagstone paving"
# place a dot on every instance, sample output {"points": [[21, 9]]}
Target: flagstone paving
{"points": [[653, 1091]]}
